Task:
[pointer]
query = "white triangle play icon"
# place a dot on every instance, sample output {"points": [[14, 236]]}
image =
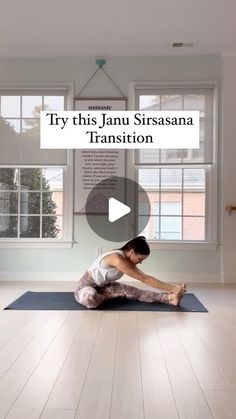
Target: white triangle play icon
{"points": [[116, 210]]}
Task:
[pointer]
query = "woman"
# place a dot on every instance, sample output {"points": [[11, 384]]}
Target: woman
{"points": [[99, 282]]}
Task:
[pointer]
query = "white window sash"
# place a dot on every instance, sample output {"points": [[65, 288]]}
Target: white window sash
{"points": [[67, 240], [210, 164]]}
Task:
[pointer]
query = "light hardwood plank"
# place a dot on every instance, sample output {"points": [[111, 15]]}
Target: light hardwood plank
{"points": [[13, 382], [57, 414], [128, 320], [96, 395], [19, 373], [51, 327], [68, 388], [11, 323], [222, 403], [32, 399], [158, 397], [10, 352], [127, 397], [220, 349], [209, 375], [189, 397]]}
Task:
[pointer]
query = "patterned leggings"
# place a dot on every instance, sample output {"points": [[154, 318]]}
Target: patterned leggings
{"points": [[90, 295]]}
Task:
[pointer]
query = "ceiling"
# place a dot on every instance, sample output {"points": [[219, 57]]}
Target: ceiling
{"points": [[106, 28]]}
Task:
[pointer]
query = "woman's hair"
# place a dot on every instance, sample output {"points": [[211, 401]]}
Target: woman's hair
{"points": [[138, 244]]}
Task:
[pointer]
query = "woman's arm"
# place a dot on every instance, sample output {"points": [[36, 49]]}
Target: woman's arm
{"points": [[127, 268]]}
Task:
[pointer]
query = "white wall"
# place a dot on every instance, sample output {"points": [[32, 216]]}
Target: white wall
{"points": [[229, 168], [197, 266]]}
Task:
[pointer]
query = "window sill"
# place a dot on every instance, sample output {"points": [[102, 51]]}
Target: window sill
{"points": [[182, 246], [23, 244]]}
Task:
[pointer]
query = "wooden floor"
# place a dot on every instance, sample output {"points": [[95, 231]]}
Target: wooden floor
{"points": [[118, 365]]}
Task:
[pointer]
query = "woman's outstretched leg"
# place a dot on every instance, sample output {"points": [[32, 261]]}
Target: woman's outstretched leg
{"points": [[121, 290]]}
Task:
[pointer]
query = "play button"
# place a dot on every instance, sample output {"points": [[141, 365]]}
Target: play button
{"points": [[117, 210]]}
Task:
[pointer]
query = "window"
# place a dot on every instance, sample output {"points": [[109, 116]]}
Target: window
{"points": [[181, 184], [35, 184], [31, 203]]}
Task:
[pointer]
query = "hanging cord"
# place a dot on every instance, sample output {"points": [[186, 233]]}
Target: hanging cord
{"points": [[100, 67], [114, 84], [87, 82]]}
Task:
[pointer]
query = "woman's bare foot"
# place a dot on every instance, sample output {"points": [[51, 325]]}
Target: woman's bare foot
{"points": [[174, 299], [179, 289]]}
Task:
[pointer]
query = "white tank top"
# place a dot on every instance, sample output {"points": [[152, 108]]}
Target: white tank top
{"points": [[104, 274]]}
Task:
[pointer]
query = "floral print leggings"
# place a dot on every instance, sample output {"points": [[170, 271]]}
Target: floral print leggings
{"points": [[90, 295]]}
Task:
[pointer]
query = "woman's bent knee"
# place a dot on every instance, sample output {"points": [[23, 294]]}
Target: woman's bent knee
{"points": [[88, 297]]}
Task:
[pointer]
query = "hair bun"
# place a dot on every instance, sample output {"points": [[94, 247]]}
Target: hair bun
{"points": [[138, 244]]}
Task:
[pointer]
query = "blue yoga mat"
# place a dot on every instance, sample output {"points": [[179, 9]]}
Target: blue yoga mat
{"points": [[66, 301]]}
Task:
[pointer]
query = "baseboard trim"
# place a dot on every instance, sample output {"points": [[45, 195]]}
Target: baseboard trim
{"points": [[75, 276], [40, 276]]}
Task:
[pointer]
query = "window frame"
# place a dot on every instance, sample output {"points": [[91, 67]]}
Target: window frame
{"points": [[211, 210], [67, 240]]}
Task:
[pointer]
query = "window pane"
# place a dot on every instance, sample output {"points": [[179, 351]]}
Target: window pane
{"points": [[148, 178], [8, 226], [149, 103], [171, 103], [58, 199], [30, 203], [8, 179], [155, 207], [14, 124], [171, 208], [194, 179], [151, 231], [52, 202], [171, 228], [31, 106], [170, 202], [30, 179], [54, 103], [194, 228], [194, 103], [156, 230], [171, 179], [8, 202], [29, 227], [10, 106], [31, 127], [52, 227], [8, 139], [194, 203], [171, 224], [52, 179]]}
